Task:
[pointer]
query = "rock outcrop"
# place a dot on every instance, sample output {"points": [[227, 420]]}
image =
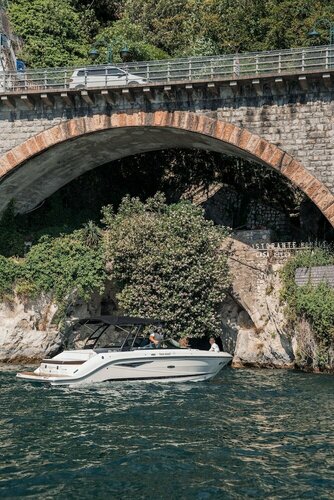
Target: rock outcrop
{"points": [[26, 331], [29, 330], [254, 325]]}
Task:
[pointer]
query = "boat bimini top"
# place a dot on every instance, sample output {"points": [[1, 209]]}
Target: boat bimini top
{"points": [[118, 333]]}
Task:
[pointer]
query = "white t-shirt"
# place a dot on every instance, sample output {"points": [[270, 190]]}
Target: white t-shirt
{"points": [[214, 347]]}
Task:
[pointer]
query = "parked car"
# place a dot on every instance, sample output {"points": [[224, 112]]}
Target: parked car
{"points": [[102, 77]]}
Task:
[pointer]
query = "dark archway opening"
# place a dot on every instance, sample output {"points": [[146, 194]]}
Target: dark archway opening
{"points": [[244, 195], [234, 192]]}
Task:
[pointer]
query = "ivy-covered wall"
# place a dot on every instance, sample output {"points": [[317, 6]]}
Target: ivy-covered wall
{"points": [[313, 304]]}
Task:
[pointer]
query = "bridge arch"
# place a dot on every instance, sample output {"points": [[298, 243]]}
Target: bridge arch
{"points": [[41, 165]]}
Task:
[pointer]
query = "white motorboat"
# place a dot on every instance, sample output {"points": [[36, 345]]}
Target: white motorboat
{"points": [[118, 348]]}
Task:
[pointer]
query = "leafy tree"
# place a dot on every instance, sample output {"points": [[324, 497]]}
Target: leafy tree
{"points": [[54, 33], [235, 26], [63, 266], [105, 11], [165, 23], [168, 263], [9, 271], [288, 23], [61, 32], [124, 33]]}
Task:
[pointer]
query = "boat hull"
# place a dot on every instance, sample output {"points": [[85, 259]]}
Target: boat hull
{"points": [[152, 365]]}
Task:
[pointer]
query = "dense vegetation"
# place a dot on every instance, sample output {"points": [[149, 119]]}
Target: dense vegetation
{"points": [[168, 263], [66, 268], [164, 260], [60, 32], [314, 303]]}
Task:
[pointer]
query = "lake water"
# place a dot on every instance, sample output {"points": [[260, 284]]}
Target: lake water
{"points": [[247, 434]]}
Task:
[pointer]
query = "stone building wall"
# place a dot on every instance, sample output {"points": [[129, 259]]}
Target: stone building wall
{"points": [[254, 324], [261, 216], [225, 206]]}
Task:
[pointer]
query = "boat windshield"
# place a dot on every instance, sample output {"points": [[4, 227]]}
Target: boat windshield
{"points": [[112, 337], [124, 337]]}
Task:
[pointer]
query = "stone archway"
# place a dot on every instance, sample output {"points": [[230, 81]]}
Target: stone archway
{"points": [[39, 166]]}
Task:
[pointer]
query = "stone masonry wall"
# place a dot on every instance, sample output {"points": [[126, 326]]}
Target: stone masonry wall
{"points": [[303, 129], [224, 209], [15, 128], [300, 123]]}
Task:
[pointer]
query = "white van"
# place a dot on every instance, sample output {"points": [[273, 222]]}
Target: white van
{"points": [[103, 77]]}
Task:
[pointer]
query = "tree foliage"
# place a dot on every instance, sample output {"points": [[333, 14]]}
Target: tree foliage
{"points": [[168, 264], [54, 33], [315, 303], [166, 260], [105, 11], [64, 267], [124, 33], [225, 26], [9, 271], [61, 32]]}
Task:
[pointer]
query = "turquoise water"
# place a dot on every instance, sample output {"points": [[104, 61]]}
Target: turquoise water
{"points": [[248, 434]]}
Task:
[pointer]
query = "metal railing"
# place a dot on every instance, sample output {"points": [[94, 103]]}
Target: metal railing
{"points": [[192, 69]]}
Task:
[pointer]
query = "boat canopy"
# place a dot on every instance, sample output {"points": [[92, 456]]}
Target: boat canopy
{"points": [[121, 320], [122, 332]]}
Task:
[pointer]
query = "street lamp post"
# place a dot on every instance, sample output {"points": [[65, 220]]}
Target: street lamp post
{"points": [[314, 33], [94, 52]]}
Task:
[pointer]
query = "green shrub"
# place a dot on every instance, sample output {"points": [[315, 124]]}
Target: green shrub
{"points": [[65, 265], [9, 271], [166, 260], [168, 264], [315, 303]]}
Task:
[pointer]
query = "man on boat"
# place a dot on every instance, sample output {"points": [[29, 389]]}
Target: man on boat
{"points": [[214, 347], [155, 339]]}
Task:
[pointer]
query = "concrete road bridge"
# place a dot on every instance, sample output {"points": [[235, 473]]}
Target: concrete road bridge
{"points": [[274, 108]]}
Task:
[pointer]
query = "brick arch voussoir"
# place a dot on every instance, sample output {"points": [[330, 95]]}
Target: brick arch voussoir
{"points": [[266, 152]]}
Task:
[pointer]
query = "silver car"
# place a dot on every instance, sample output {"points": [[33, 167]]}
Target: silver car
{"points": [[110, 76]]}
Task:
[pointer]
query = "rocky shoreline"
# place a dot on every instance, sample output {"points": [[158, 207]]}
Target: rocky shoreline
{"points": [[254, 326], [27, 336]]}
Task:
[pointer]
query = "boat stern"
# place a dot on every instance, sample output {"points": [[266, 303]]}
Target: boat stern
{"points": [[61, 368]]}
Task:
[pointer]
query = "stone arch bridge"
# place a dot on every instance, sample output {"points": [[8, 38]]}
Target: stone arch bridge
{"points": [[285, 122]]}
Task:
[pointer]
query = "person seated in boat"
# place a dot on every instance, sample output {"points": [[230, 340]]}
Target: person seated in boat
{"points": [[214, 347], [155, 339], [184, 343]]}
